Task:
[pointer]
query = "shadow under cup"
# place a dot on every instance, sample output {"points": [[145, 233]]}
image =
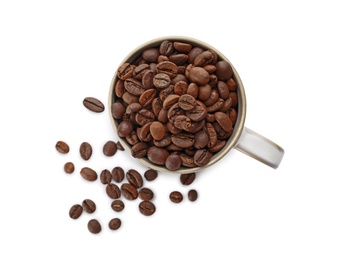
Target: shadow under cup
{"points": [[241, 107]]}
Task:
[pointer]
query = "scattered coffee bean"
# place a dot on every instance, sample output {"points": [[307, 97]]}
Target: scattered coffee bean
{"points": [[147, 208], [192, 195], [62, 147], [93, 104], [119, 146], [114, 224], [134, 178], [68, 167], [129, 191], [88, 174], [150, 175], [176, 196], [109, 148], [117, 205], [145, 194], [85, 151], [118, 174], [105, 177], [94, 226], [75, 211], [113, 191], [187, 179], [89, 206]]}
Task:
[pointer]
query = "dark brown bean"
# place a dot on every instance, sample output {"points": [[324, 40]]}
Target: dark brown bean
{"points": [[146, 98], [192, 195], [125, 71], [223, 89], [187, 102], [85, 150], [118, 174], [224, 70], [183, 140], [157, 105], [134, 87], [113, 191], [114, 224], [144, 116], [202, 157], [146, 194], [198, 113], [117, 110], [187, 179], [88, 174], [93, 104], [216, 106], [109, 148], [147, 79], [212, 99], [187, 160], [134, 178], [212, 134], [75, 211], [231, 84], [157, 155], [199, 75], [166, 92], [68, 167], [203, 59], [125, 128], [62, 147], [193, 54], [161, 80], [168, 68], [179, 59], [94, 226], [173, 162], [139, 150], [119, 146], [176, 196], [201, 139], [105, 177], [150, 175], [217, 147], [119, 88], [204, 92], [89, 206], [224, 121], [193, 90], [182, 122], [166, 48], [147, 208], [129, 191], [128, 98], [132, 138], [117, 205], [157, 130], [140, 70], [182, 47], [151, 54], [144, 133]]}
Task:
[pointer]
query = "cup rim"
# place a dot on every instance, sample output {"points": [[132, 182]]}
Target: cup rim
{"points": [[241, 107]]}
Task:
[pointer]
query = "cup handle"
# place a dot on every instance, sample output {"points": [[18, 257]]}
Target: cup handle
{"points": [[260, 148]]}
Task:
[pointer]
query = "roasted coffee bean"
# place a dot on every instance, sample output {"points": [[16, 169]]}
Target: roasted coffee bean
{"points": [[144, 133], [187, 160], [198, 113], [85, 151], [132, 138], [193, 54], [233, 115], [172, 129], [150, 175], [226, 105], [128, 98], [217, 147], [146, 98], [94, 226], [216, 106], [125, 128], [62, 147], [93, 104], [166, 48], [221, 133], [196, 126], [157, 155], [234, 99], [89, 206], [183, 140], [162, 58], [125, 71], [187, 179], [212, 99], [201, 139], [129, 191], [140, 70], [178, 59], [224, 70], [114, 224], [213, 80], [175, 111], [231, 84], [203, 59], [173, 162], [187, 102], [182, 122], [179, 77], [182, 47], [202, 157], [163, 116], [144, 116], [145, 194], [133, 108], [190, 151], [118, 174], [151, 54], [117, 110], [204, 92], [105, 176], [75, 211], [119, 146], [176, 196], [134, 87], [117, 205], [109, 148], [147, 208], [166, 92], [212, 134], [173, 147], [119, 88], [139, 150], [147, 79], [134, 178], [164, 142], [168, 68], [199, 75], [223, 89], [193, 90], [210, 118], [224, 121], [68, 167], [88, 174], [157, 105], [161, 80], [157, 130], [113, 191], [210, 68], [170, 100], [192, 195]]}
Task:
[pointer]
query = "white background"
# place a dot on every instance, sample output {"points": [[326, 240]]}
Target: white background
{"points": [[290, 55]]}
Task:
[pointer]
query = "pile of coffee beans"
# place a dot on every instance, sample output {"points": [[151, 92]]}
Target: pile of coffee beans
{"points": [[175, 104], [119, 186]]}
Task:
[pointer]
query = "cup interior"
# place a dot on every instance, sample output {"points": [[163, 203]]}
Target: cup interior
{"points": [[241, 109]]}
